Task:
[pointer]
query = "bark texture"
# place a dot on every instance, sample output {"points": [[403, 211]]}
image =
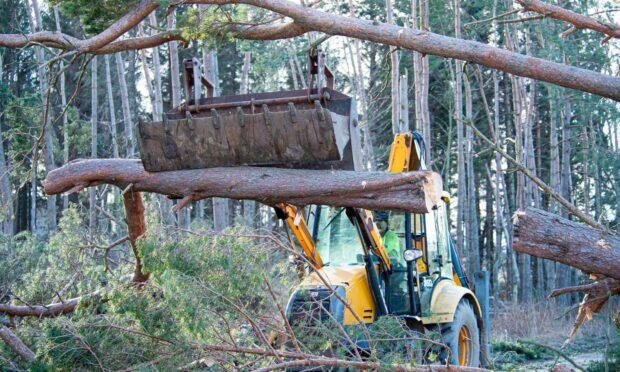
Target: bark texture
{"points": [[413, 191], [550, 236], [136, 228], [596, 252], [16, 344]]}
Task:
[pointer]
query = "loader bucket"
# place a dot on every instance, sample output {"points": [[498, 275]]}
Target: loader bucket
{"points": [[313, 128], [282, 129]]}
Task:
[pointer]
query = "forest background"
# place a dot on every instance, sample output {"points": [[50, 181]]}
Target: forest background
{"points": [[56, 248]]}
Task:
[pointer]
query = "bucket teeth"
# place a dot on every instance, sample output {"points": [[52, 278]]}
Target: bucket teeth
{"points": [[216, 119], [266, 114], [282, 129], [293, 112], [240, 117], [319, 110]]}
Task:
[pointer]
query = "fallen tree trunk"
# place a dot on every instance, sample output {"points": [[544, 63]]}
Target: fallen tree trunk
{"points": [[594, 251], [412, 191], [550, 236], [16, 344]]}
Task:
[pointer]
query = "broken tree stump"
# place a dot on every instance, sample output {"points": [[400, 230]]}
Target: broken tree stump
{"points": [[546, 235], [412, 191]]}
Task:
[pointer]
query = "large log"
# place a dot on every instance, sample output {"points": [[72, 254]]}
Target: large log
{"points": [[413, 191], [594, 251], [550, 236]]}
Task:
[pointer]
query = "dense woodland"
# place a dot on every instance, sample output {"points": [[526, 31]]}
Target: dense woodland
{"points": [[55, 108]]}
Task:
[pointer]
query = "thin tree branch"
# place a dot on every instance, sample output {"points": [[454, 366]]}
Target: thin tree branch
{"points": [[578, 21], [540, 183]]}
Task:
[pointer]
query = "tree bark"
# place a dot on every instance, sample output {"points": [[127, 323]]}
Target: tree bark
{"points": [[130, 140], [395, 70], [412, 191], [36, 25], [108, 79], [360, 84], [183, 216], [249, 206], [136, 228], [157, 73], [460, 150], [6, 194], [471, 205], [93, 146], [16, 344], [550, 236], [63, 102], [220, 206], [403, 105]]}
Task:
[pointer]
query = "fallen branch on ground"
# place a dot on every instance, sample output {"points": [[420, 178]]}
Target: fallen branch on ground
{"points": [[303, 359], [53, 309], [412, 191], [16, 344]]}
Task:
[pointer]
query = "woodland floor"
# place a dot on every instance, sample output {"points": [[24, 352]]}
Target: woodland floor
{"points": [[545, 325]]}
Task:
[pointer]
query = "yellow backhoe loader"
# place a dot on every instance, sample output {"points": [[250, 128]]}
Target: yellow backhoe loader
{"points": [[385, 263]]}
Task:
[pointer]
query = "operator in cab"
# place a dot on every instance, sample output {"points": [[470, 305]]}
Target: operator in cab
{"points": [[389, 237]]}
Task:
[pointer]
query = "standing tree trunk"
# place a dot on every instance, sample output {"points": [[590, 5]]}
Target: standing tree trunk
{"points": [[165, 204], [421, 75], [403, 95], [93, 147], [6, 197], [108, 80], [458, 108], [554, 180], [183, 216], [293, 71], [122, 82], [471, 205], [36, 25], [220, 205], [157, 71], [356, 58], [115, 151], [63, 102], [395, 74], [147, 77], [566, 184], [249, 206]]}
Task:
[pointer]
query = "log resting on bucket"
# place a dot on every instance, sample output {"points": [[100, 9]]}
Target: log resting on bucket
{"points": [[413, 191]]}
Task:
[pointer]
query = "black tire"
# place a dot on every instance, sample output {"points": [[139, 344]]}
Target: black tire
{"points": [[463, 327]]}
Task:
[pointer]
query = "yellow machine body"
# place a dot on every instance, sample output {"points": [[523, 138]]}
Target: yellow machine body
{"points": [[446, 293]]}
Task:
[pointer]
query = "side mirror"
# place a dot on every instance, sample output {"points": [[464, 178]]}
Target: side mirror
{"points": [[412, 255]]}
